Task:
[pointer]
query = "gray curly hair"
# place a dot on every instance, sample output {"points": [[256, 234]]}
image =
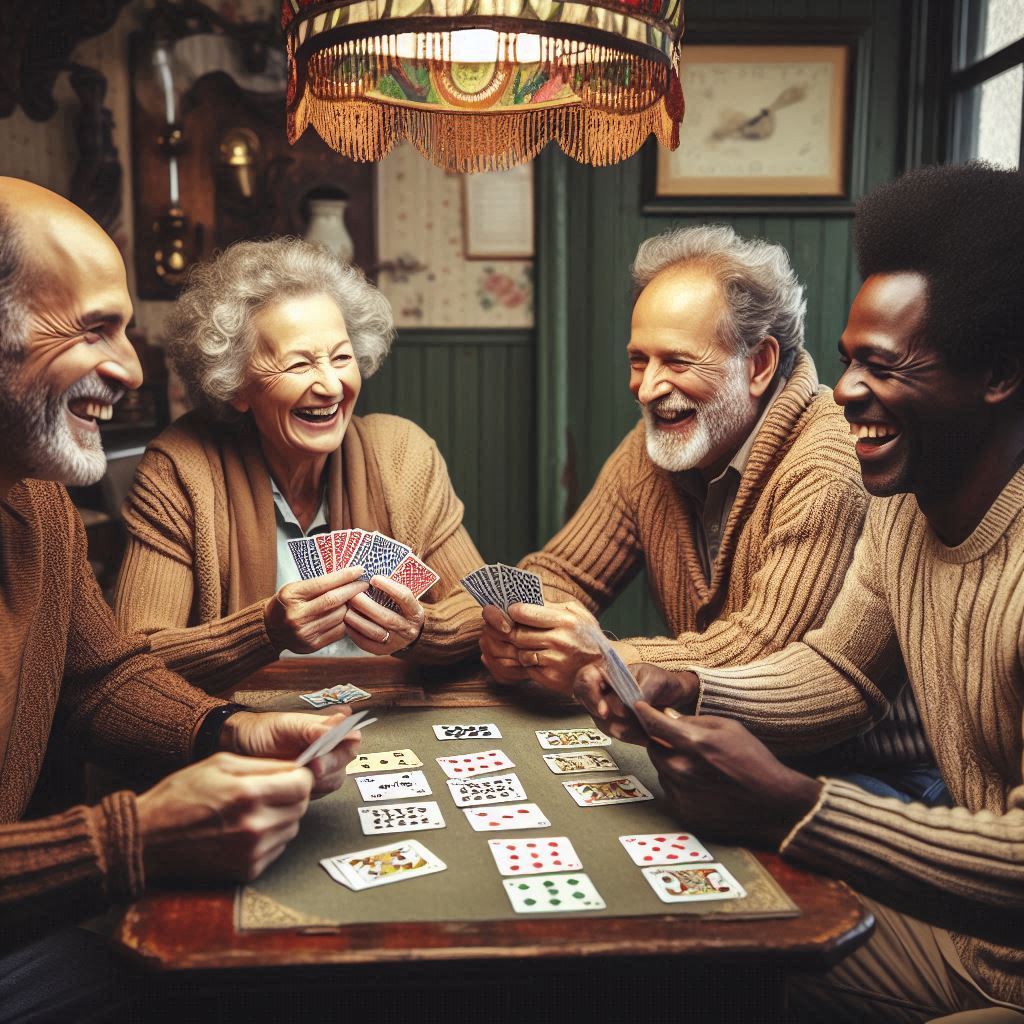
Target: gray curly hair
{"points": [[209, 337], [761, 288]]}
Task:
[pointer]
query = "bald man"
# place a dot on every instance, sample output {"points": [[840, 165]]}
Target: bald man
{"points": [[68, 676]]}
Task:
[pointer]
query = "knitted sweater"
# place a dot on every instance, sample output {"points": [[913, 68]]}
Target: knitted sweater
{"points": [[787, 544], [954, 617], [201, 556], [67, 674]]}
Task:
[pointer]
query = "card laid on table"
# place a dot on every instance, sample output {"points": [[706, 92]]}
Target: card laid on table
{"points": [[327, 741], [532, 856], [625, 790], [393, 786], [467, 732], [366, 869], [499, 819], [558, 739], [683, 885], [400, 818], [465, 766], [344, 693], [664, 848], [550, 894], [383, 761], [580, 761], [497, 789]]}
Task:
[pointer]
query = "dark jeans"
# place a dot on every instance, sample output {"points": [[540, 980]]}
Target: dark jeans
{"points": [[911, 785], [70, 976]]}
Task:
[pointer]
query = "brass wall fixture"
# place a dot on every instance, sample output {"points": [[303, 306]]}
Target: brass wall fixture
{"points": [[239, 149]]}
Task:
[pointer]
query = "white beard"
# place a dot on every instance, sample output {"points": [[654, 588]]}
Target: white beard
{"points": [[713, 423], [37, 433]]}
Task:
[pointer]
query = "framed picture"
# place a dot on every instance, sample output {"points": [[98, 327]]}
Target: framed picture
{"points": [[497, 214], [768, 127]]}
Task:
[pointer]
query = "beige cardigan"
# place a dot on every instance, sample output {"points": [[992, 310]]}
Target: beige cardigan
{"points": [[201, 555]]}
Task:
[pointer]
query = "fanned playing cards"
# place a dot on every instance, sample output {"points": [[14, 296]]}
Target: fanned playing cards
{"points": [[503, 585]]}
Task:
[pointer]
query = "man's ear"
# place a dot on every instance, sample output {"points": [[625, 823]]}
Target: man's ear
{"points": [[764, 361], [1005, 379]]}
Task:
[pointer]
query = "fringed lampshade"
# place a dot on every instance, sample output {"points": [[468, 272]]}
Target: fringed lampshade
{"points": [[484, 84]]}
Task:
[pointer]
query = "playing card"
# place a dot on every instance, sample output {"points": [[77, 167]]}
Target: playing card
{"points": [[557, 739], [664, 848], [498, 819], [325, 546], [343, 693], [415, 575], [403, 786], [464, 766], [317, 699], [498, 789], [497, 589], [478, 583], [520, 585], [467, 732], [532, 856], [626, 790], [682, 885], [546, 894], [580, 761], [345, 543], [361, 549], [366, 869], [326, 742], [616, 672], [383, 761], [400, 818], [383, 555], [307, 557]]}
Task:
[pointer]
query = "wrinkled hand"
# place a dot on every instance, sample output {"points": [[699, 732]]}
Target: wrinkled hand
{"points": [[550, 642], [661, 689], [310, 614], [222, 820], [500, 657], [722, 781], [379, 630], [284, 735]]}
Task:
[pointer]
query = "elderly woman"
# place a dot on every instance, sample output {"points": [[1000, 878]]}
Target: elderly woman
{"points": [[273, 341]]}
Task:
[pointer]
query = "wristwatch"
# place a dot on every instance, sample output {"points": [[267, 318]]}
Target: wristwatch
{"points": [[207, 741]]}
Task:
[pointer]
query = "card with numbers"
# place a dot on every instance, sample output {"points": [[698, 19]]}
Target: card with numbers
{"points": [[664, 848], [393, 786], [498, 819], [465, 766], [625, 790], [557, 739], [684, 885], [497, 789], [400, 818], [366, 869], [383, 761], [488, 731], [532, 856], [551, 894], [580, 761]]}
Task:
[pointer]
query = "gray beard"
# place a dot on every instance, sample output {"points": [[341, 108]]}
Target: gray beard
{"points": [[36, 432], [716, 421]]}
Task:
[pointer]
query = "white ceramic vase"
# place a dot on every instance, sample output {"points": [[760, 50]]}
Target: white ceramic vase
{"points": [[327, 226]]}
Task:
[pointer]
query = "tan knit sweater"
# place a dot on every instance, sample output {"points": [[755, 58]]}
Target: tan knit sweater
{"points": [[955, 618], [787, 545], [201, 555], [67, 674]]}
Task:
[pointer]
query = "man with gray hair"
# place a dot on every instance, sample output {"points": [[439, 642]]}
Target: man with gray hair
{"points": [[739, 489]]}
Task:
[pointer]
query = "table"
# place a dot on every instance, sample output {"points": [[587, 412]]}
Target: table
{"points": [[644, 968]]}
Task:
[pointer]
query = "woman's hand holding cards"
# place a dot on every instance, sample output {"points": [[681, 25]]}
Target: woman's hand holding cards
{"points": [[379, 629], [310, 614]]}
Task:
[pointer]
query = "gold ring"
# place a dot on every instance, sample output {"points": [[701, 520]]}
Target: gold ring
{"points": [[536, 658], [386, 637]]}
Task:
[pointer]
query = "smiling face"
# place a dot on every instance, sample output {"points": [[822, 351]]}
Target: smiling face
{"points": [[303, 381], [694, 391], [917, 421], [74, 360]]}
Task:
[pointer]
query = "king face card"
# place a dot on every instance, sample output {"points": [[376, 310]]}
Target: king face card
{"points": [[383, 761], [580, 761], [558, 739], [516, 857], [498, 789], [366, 869], [626, 790], [500, 819], [393, 786], [553, 894], [664, 848], [400, 818], [465, 766], [683, 885]]}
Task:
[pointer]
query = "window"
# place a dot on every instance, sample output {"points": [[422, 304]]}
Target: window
{"points": [[988, 82]]}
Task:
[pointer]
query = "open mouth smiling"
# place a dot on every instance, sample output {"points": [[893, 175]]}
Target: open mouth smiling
{"points": [[317, 414], [669, 419], [89, 410], [873, 438]]}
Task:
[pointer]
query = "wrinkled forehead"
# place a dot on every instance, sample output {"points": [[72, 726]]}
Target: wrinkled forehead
{"points": [[72, 256]]}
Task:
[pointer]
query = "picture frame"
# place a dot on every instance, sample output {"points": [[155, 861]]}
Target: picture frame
{"points": [[497, 214], [773, 125]]}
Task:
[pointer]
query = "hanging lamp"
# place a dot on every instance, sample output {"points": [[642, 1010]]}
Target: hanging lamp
{"points": [[480, 85]]}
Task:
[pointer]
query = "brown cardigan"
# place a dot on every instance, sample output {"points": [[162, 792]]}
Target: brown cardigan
{"points": [[68, 675], [201, 556]]}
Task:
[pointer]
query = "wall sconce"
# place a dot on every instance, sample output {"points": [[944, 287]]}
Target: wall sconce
{"points": [[239, 150]]}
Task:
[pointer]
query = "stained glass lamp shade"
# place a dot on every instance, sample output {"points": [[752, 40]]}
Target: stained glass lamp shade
{"points": [[485, 84]]}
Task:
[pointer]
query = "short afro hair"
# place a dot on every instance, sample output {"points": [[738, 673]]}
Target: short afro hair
{"points": [[962, 228]]}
